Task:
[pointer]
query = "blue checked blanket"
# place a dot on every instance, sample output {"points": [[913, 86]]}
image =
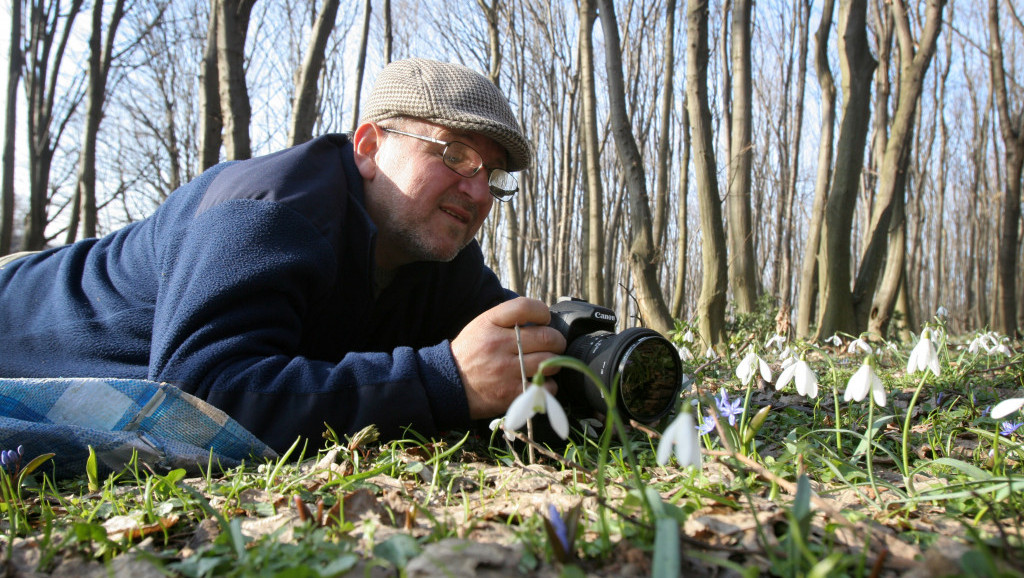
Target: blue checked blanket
{"points": [[165, 427]]}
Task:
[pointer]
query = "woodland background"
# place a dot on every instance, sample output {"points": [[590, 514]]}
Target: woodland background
{"points": [[854, 164]]}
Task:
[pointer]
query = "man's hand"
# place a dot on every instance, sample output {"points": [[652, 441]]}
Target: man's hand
{"points": [[488, 359]]}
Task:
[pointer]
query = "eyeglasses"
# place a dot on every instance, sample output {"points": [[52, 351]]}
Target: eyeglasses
{"points": [[464, 160]]}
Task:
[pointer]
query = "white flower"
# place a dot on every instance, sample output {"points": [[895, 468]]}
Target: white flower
{"points": [[1006, 407], [777, 340], [835, 340], [536, 400], [685, 354], [688, 336], [864, 380], [497, 423], [681, 434], [941, 312], [924, 356], [805, 378], [710, 353], [858, 344], [745, 370], [977, 345]]}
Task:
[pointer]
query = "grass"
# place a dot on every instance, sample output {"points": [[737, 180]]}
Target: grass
{"points": [[809, 487]]}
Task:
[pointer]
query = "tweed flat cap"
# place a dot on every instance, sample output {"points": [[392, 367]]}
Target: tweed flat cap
{"points": [[452, 96]]}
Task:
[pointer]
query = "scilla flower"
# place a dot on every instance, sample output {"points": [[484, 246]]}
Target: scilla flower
{"points": [[536, 400], [863, 381], [924, 355], [681, 434], [751, 363], [804, 377], [1006, 407]]}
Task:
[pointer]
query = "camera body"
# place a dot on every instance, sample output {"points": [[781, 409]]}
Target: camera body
{"points": [[638, 365]]}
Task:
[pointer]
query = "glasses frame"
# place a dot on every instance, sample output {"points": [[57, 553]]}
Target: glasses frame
{"points": [[497, 192]]}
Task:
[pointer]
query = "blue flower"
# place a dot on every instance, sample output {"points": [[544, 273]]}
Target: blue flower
{"points": [[1010, 427], [558, 524], [706, 425], [10, 460], [729, 409]]}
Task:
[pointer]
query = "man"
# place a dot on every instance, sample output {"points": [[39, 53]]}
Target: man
{"points": [[333, 282]]}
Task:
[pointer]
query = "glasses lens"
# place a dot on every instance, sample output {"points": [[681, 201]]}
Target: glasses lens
{"points": [[462, 159], [503, 184]]}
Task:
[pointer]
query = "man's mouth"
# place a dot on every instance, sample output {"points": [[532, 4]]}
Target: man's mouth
{"points": [[458, 214]]}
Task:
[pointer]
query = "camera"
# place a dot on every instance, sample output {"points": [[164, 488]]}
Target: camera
{"points": [[646, 364]]}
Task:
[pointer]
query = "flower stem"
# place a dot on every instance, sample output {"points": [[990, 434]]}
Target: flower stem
{"points": [[907, 477], [871, 448]]}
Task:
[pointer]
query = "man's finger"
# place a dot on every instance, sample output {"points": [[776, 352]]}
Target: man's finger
{"points": [[520, 311]]}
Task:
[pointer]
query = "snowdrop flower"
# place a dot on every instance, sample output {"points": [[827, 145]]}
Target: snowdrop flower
{"points": [[1001, 348], [787, 357], [688, 336], [924, 356], [835, 340], [681, 434], [777, 340], [1006, 407], [859, 344], [745, 370], [710, 353], [863, 381], [498, 423], [685, 354], [536, 400], [941, 312], [805, 378]]}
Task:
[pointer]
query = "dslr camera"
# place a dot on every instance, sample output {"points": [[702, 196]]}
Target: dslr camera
{"points": [[646, 365]]}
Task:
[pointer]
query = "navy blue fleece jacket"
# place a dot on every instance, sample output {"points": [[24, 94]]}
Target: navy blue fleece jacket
{"points": [[252, 287]]}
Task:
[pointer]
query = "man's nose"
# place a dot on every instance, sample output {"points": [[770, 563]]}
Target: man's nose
{"points": [[477, 186]]}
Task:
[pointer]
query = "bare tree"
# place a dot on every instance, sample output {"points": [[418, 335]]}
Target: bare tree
{"points": [[835, 311], [594, 225], [643, 257], [14, 65], [664, 143], [742, 275], [361, 62], [236, 111], [306, 105], [100, 58], [1011, 127], [211, 123], [711, 305], [44, 54], [886, 230]]}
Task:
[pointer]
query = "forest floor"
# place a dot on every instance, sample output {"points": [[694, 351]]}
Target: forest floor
{"points": [[800, 491]]}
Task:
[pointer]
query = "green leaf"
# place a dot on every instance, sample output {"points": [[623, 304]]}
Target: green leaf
{"points": [[398, 549], [92, 471], [666, 563]]}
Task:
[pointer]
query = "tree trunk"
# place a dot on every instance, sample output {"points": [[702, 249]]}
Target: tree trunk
{"points": [[785, 269], [211, 123], [664, 144], [857, 65], [361, 62], [643, 256], [14, 65], [307, 102], [42, 69], [100, 58], [711, 305], [822, 182], [388, 34], [591, 150], [742, 273], [682, 242], [875, 304], [232, 28], [1004, 302]]}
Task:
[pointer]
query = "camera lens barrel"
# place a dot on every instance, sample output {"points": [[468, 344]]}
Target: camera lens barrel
{"points": [[646, 365]]}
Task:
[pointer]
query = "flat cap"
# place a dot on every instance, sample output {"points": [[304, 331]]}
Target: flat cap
{"points": [[450, 95]]}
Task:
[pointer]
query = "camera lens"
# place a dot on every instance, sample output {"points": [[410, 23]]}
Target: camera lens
{"points": [[647, 367]]}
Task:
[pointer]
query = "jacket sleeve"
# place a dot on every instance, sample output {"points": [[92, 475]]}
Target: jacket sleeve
{"points": [[228, 324]]}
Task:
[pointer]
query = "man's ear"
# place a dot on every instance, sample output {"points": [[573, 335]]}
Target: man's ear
{"points": [[366, 141]]}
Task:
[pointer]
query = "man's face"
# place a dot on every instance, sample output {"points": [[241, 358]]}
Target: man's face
{"points": [[424, 211]]}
